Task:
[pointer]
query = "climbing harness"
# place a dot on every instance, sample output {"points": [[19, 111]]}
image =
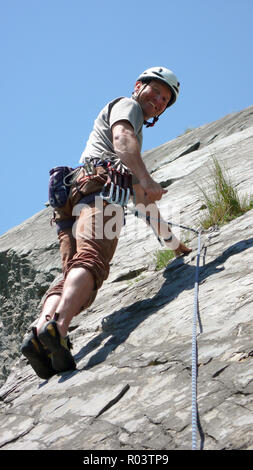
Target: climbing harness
{"points": [[118, 187]]}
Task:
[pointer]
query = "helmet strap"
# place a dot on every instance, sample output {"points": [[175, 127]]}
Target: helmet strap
{"points": [[135, 96], [151, 124]]}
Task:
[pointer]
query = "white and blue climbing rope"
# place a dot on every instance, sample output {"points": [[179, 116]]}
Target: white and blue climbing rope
{"points": [[194, 328], [194, 352]]}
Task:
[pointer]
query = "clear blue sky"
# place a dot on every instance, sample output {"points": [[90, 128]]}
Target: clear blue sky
{"points": [[63, 60]]}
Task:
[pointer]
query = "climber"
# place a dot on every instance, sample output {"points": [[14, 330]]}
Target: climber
{"points": [[116, 138]]}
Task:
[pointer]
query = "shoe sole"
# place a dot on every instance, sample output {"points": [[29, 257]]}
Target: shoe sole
{"points": [[62, 359], [41, 366]]}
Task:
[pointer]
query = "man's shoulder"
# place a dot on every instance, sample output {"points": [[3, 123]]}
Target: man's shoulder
{"points": [[126, 106], [127, 109], [122, 101]]}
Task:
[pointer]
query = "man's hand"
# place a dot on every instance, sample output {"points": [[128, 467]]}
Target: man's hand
{"points": [[182, 250], [152, 191]]}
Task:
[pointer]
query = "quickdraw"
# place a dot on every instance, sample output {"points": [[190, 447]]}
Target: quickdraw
{"points": [[118, 187]]}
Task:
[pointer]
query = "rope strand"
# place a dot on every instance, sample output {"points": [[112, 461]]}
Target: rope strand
{"points": [[194, 325], [194, 352]]}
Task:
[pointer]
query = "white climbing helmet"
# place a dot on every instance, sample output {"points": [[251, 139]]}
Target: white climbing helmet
{"points": [[164, 75]]}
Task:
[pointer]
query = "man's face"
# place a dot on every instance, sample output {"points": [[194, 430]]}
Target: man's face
{"points": [[154, 98]]}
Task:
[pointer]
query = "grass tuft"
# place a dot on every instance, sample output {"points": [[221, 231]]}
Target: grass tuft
{"points": [[162, 258], [222, 201]]}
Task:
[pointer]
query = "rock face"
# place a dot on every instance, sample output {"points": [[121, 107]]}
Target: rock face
{"points": [[132, 388]]}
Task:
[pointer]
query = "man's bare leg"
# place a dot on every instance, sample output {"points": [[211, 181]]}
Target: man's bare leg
{"points": [[77, 290], [48, 311]]}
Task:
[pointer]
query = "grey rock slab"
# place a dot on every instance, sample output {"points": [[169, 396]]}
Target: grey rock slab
{"points": [[133, 346]]}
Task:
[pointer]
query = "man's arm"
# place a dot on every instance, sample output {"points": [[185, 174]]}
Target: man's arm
{"points": [[127, 148], [147, 191], [159, 225]]}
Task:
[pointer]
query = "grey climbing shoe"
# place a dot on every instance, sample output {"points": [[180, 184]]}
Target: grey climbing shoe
{"points": [[38, 356], [61, 357]]}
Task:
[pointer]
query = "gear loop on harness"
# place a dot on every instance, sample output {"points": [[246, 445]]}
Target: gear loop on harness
{"points": [[118, 187]]}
